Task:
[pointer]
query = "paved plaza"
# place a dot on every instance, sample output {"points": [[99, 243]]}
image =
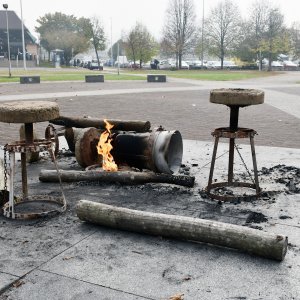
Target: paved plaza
{"points": [[64, 258]]}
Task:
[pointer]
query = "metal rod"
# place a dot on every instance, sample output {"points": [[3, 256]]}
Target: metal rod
{"points": [[24, 176], [231, 160], [212, 166], [254, 165], [11, 183]]}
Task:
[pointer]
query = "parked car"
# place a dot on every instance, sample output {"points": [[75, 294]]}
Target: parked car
{"points": [[184, 65], [146, 65], [166, 65], [250, 66], [276, 65], [214, 65], [133, 65], [230, 65], [122, 64], [93, 65], [289, 65], [196, 65]]}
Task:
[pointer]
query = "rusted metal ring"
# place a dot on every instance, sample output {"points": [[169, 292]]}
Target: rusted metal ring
{"points": [[232, 197], [28, 216], [240, 133], [38, 145]]}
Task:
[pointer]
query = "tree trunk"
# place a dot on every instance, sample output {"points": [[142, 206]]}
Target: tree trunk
{"points": [[270, 59], [228, 235], [124, 177], [179, 60], [119, 125]]}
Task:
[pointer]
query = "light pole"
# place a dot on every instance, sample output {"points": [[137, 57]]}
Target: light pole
{"points": [[23, 38], [118, 59], [5, 6], [111, 45], [202, 36]]}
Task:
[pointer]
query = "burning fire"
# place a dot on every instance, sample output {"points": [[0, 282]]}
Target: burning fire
{"points": [[104, 147]]}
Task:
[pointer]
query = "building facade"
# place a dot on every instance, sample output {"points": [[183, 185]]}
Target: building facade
{"points": [[15, 38]]}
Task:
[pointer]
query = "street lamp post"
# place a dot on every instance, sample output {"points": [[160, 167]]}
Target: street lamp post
{"points": [[111, 45], [5, 6], [202, 36], [23, 38]]}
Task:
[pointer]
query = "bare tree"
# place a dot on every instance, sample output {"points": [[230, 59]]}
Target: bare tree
{"points": [[93, 29], [222, 29], [274, 34], [139, 44], [257, 26], [179, 33], [264, 34], [295, 40]]}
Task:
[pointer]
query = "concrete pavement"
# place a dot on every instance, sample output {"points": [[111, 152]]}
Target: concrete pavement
{"points": [[64, 258]]}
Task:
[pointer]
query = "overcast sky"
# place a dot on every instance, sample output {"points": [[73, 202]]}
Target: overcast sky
{"points": [[123, 14]]}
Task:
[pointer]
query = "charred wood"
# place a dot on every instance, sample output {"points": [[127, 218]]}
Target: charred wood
{"points": [[124, 177], [119, 125]]}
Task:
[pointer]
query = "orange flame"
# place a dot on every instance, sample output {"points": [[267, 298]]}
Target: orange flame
{"points": [[104, 147]]}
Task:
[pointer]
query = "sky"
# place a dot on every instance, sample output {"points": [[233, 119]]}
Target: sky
{"points": [[119, 16]]}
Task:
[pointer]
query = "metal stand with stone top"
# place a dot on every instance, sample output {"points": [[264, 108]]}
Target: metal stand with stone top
{"points": [[28, 112], [234, 99]]}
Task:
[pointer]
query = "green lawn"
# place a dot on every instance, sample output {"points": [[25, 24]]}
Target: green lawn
{"points": [[70, 74], [64, 74], [220, 75]]}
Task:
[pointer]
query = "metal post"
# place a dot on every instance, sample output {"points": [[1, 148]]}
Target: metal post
{"points": [[233, 125], [8, 45], [111, 45], [202, 36], [118, 59], [212, 165], [254, 165], [11, 210], [23, 38]]}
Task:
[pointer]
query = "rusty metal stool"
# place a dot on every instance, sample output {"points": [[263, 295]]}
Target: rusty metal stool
{"points": [[234, 99], [28, 112]]}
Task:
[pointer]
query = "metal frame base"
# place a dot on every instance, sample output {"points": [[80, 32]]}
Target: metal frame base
{"points": [[227, 132], [9, 210], [233, 197], [23, 148]]}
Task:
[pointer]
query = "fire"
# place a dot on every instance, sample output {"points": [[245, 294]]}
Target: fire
{"points": [[104, 147]]}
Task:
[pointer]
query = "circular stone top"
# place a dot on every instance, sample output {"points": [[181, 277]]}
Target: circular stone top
{"points": [[237, 97], [28, 111]]}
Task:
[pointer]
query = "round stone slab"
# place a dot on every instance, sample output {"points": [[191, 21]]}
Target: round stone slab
{"points": [[28, 111], [237, 97]]}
